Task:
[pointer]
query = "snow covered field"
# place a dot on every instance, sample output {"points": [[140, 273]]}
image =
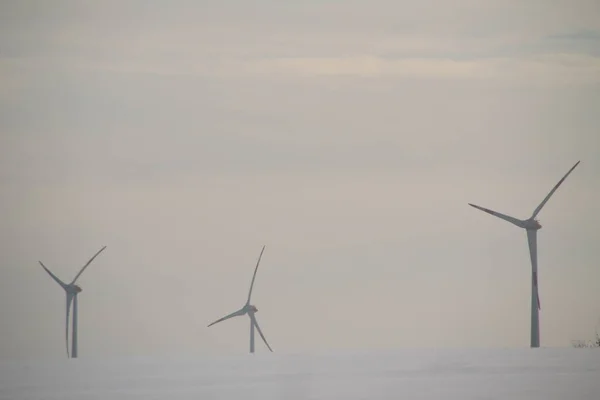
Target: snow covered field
{"points": [[402, 374]]}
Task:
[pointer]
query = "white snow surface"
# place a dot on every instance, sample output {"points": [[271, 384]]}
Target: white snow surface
{"points": [[402, 374]]}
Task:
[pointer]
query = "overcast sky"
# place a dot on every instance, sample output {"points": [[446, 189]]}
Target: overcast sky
{"points": [[347, 136]]}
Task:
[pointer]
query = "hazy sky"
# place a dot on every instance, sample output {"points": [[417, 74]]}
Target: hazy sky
{"points": [[347, 136]]}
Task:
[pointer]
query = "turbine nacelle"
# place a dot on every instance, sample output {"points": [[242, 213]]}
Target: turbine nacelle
{"points": [[252, 309], [532, 224], [72, 288]]}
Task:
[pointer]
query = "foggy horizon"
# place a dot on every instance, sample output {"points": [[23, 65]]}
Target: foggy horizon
{"points": [[347, 137]]}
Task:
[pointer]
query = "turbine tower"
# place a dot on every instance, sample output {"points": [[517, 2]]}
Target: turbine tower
{"points": [[71, 290], [250, 310], [531, 225]]}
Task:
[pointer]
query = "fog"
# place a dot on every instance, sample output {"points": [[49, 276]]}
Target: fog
{"points": [[347, 137]]}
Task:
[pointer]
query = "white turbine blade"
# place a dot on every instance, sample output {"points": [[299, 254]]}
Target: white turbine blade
{"points": [[254, 276], [505, 217], [86, 265], [251, 335], [233, 314], [56, 279], [69, 299], [539, 208], [255, 322], [532, 241]]}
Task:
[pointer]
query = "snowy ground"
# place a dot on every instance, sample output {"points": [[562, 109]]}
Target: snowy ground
{"points": [[404, 374]]}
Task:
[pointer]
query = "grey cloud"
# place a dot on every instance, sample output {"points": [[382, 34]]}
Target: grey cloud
{"points": [[582, 42], [580, 35]]}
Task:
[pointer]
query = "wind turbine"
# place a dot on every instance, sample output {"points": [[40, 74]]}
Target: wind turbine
{"points": [[250, 310], [531, 225], [71, 290]]}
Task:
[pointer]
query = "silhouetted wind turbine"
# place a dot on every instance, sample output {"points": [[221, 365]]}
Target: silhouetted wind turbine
{"points": [[71, 290], [531, 225], [250, 310]]}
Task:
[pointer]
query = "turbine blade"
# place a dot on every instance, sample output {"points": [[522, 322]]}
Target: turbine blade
{"points": [[254, 276], [255, 322], [233, 314], [532, 241], [86, 265], [56, 279], [505, 217], [539, 208], [69, 300]]}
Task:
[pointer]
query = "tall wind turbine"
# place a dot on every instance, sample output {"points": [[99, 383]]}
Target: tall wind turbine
{"points": [[71, 290], [250, 310], [531, 225]]}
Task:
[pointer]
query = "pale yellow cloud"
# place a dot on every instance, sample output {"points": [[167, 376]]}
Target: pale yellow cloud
{"points": [[369, 66], [544, 69], [547, 69]]}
